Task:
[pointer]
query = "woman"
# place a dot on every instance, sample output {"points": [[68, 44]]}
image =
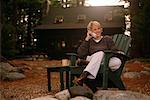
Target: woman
{"points": [[92, 49]]}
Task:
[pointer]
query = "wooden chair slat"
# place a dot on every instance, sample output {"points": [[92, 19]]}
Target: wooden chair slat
{"points": [[115, 37], [118, 39], [127, 46], [122, 42]]}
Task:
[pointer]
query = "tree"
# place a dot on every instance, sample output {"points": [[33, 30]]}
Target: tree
{"points": [[140, 21], [19, 17]]}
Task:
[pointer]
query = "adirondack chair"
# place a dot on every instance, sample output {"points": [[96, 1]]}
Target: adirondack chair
{"points": [[123, 43]]}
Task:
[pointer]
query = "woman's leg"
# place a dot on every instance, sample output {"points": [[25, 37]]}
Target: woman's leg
{"points": [[114, 63], [92, 84], [94, 64], [92, 68]]}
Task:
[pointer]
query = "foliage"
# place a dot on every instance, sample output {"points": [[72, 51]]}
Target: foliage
{"points": [[19, 17], [56, 3], [142, 21], [8, 43]]}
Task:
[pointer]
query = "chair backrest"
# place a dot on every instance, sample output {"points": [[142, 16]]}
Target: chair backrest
{"points": [[123, 42]]}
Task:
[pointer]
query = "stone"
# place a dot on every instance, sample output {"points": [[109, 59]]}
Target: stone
{"points": [[63, 95], [6, 67], [147, 73], [8, 72], [14, 76], [147, 69], [132, 75], [81, 91], [80, 98], [119, 95]]}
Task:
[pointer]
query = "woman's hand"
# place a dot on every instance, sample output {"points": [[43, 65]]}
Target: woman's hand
{"points": [[88, 36]]}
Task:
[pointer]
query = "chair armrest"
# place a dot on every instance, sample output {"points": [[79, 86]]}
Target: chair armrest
{"points": [[76, 60], [119, 54]]}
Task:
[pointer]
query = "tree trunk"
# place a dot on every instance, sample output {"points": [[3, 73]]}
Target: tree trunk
{"points": [[136, 44]]}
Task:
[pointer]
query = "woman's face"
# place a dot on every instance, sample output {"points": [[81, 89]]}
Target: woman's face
{"points": [[97, 30]]}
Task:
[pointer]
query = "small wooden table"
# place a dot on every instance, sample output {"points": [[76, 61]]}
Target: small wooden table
{"points": [[61, 70]]}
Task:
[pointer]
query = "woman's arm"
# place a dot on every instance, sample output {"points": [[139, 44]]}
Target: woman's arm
{"points": [[83, 49]]}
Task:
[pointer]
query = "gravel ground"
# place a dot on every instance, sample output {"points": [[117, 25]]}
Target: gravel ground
{"points": [[35, 83]]}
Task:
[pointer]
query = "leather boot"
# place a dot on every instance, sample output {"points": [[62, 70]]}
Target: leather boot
{"points": [[80, 80]]}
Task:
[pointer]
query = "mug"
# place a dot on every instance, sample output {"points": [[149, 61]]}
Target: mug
{"points": [[65, 62]]}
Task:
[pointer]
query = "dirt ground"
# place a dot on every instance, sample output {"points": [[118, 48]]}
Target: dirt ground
{"points": [[35, 83]]}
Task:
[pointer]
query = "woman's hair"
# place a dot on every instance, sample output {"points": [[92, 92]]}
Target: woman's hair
{"points": [[91, 23]]}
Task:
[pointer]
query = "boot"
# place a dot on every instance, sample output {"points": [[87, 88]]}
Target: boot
{"points": [[80, 80]]}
